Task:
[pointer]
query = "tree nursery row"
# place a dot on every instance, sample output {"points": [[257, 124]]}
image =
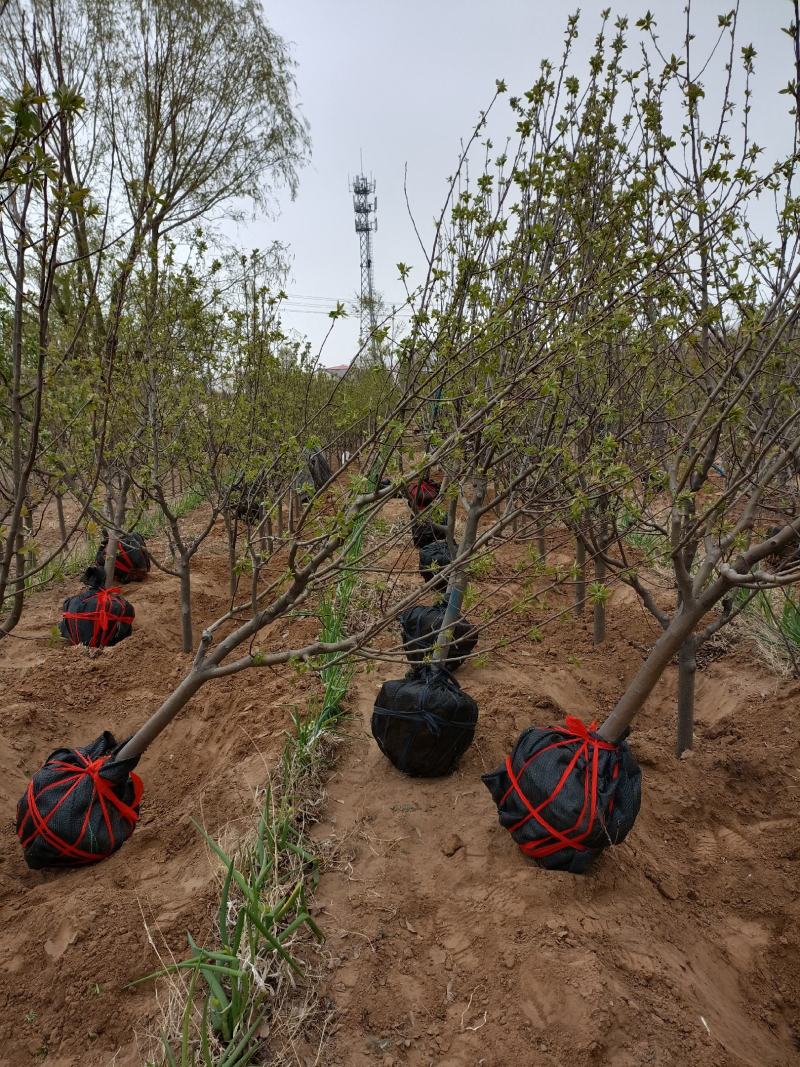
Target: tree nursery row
{"points": [[603, 341]]}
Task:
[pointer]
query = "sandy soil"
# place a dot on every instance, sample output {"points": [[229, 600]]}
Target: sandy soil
{"points": [[445, 946], [71, 942], [448, 947]]}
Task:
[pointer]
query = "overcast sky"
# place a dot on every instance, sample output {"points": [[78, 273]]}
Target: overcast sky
{"points": [[401, 81]]}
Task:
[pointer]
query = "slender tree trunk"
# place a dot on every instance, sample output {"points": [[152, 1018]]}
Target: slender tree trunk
{"points": [[580, 577], [230, 531], [458, 579], [62, 525], [269, 536], [27, 524], [19, 472], [644, 681], [541, 543], [687, 673], [452, 510], [599, 605], [261, 542], [292, 504], [175, 702], [118, 519], [186, 605], [280, 518], [18, 596]]}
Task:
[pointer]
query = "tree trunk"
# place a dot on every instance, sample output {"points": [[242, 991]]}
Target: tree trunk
{"points": [[599, 605], [186, 605], [458, 579], [687, 672], [62, 525], [541, 543], [645, 679], [118, 520], [580, 577], [174, 703], [18, 596], [230, 531], [27, 525], [269, 536], [452, 509], [280, 518]]}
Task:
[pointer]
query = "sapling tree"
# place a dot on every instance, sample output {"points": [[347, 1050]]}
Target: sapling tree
{"points": [[193, 110], [734, 304], [37, 237]]}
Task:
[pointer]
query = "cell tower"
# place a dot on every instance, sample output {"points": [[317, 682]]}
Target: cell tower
{"points": [[365, 204]]}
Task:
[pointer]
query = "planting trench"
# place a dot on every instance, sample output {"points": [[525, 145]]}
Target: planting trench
{"points": [[447, 947], [444, 945]]}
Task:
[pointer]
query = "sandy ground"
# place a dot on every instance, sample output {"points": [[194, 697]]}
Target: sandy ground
{"points": [[448, 947], [71, 942], [445, 946]]}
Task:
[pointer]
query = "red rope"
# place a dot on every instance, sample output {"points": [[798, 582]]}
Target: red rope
{"points": [[103, 619], [102, 792], [586, 746], [124, 564], [123, 560], [422, 493]]}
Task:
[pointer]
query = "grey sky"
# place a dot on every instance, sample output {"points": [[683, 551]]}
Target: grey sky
{"points": [[403, 81]]}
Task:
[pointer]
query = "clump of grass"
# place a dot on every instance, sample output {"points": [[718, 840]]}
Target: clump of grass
{"points": [[225, 998], [771, 619], [220, 1004]]}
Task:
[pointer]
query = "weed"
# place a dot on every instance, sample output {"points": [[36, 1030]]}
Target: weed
{"points": [[229, 994], [772, 619]]}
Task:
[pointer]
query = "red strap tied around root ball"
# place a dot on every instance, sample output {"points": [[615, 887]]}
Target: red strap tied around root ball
{"points": [[102, 794], [576, 734], [102, 618], [423, 492], [124, 564]]}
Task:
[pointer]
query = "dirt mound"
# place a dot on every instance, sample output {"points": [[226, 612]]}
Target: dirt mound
{"points": [[71, 942], [447, 947]]}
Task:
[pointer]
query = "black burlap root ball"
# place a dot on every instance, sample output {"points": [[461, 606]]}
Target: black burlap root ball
{"points": [[424, 723], [319, 469], [79, 807], [133, 561], [420, 627], [422, 494], [96, 617], [432, 559], [247, 500], [565, 795], [424, 533]]}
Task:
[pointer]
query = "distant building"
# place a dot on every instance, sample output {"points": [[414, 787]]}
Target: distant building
{"points": [[338, 371]]}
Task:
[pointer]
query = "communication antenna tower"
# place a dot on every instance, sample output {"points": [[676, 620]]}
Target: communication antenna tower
{"points": [[365, 204]]}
